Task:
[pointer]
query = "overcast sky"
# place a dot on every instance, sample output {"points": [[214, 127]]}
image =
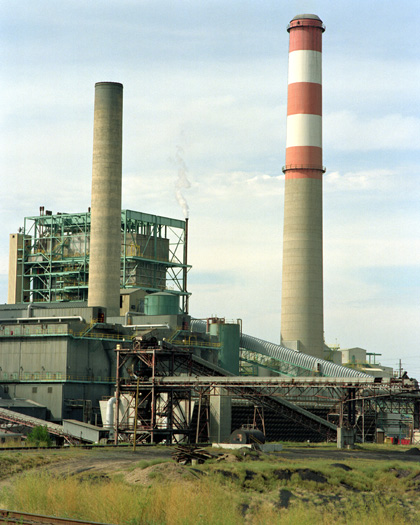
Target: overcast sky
{"points": [[207, 81]]}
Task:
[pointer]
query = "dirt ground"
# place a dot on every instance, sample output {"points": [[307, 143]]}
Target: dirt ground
{"points": [[95, 462], [103, 462], [388, 454]]}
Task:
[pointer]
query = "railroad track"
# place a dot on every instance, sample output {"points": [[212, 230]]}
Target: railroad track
{"points": [[23, 518]]}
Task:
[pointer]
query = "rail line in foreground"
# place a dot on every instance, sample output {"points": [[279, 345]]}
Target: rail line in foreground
{"points": [[23, 518]]}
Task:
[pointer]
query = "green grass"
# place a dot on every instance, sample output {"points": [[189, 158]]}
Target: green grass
{"points": [[114, 501], [206, 501], [248, 491], [142, 464]]}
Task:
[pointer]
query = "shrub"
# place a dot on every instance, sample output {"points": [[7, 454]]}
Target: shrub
{"points": [[39, 437]]}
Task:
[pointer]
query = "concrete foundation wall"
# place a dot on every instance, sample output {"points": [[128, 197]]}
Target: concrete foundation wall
{"points": [[220, 417]]}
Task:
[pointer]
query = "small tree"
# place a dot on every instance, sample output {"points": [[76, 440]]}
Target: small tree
{"points": [[39, 437]]}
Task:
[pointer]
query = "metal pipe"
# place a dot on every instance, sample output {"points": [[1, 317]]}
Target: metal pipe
{"points": [[253, 344], [117, 396], [109, 418], [145, 326], [131, 313], [55, 318], [135, 414], [185, 272]]}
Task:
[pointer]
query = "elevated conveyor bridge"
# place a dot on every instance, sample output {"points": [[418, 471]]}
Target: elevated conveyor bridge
{"points": [[284, 361]]}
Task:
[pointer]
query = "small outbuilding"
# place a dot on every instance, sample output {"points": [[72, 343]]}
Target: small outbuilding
{"points": [[10, 439], [85, 431]]}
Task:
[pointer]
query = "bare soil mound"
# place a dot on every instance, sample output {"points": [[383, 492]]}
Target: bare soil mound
{"points": [[163, 472]]}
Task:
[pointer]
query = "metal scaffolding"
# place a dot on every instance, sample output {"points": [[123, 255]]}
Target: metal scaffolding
{"points": [[158, 385], [146, 411], [162, 383], [54, 256]]}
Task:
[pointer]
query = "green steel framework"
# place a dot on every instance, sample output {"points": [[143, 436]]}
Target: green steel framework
{"points": [[55, 256]]}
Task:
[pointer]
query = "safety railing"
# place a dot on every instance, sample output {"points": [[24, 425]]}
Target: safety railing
{"points": [[194, 343], [316, 167], [48, 377]]}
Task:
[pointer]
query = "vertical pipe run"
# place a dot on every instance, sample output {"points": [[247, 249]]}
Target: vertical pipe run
{"points": [[117, 395], [135, 414], [105, 233], [185, 272], [302, 323]]}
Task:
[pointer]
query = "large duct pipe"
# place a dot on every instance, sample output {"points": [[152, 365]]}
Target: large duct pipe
{"points": [[302, 319], [105, 232], [287, 355]]}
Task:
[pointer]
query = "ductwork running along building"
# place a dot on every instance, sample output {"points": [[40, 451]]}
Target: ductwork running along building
{"points": [[97, 328]]}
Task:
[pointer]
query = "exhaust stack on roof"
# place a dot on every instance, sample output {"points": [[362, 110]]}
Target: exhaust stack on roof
{"points": [[105, 234], [302, 287]]}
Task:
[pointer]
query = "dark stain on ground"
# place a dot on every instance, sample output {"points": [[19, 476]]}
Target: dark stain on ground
{"points": [[307, 474], [80, 470], [399, 473], [249, 475], [349, 487], [94, 478], [284, 501], [327, 499], [283, 474], [342, 465], [197, 472], [227, 474]]}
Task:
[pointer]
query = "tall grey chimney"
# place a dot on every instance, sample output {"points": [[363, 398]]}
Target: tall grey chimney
{"points": [[105, 233]]}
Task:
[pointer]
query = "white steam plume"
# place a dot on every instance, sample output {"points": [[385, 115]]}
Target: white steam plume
{"points": [[182, 181]]}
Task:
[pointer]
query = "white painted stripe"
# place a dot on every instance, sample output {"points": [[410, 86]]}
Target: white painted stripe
{"points": [[304, 130], [305, 66]]}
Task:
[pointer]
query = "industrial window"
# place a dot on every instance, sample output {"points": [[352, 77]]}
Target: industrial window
{"points": [[50, 389], [34, 390]]}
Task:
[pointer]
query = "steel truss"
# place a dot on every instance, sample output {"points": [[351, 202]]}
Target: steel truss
{"points": [[147, 411], [351, 403], [157, 383], [155, 386], [55, 255]]}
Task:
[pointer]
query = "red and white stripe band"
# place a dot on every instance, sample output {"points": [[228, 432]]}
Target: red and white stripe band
{"points": [[304, 100]]}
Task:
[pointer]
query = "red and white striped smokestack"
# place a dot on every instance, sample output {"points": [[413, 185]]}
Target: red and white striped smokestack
{"points": [[302, 320]]}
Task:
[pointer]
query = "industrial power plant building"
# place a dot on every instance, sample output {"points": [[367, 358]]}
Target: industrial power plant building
{"points": [[97, 327]]}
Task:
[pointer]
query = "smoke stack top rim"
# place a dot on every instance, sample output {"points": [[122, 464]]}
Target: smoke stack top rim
{"points": [[306, 20], [306, 17], [113, 84]]}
